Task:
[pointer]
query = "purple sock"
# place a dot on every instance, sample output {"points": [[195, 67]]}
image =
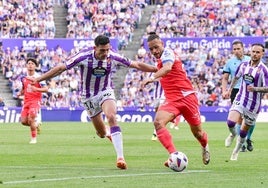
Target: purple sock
{"points": [[115, 129], [243, 133], [230, 123]]}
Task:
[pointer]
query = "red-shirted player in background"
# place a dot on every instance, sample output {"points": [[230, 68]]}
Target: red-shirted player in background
{"points": [[180, 96], [32, 98]]}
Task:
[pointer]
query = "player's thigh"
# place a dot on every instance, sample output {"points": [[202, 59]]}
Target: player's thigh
{"points": [[190, 110], [98, 124], [234, 116], [34, 109], [109, 109], [162, 118], [24, 116]]}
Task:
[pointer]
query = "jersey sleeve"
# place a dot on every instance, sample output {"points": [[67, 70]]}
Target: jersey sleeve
{"points": [[239, 70], [77, 58], [168, 56], [226, 68]]}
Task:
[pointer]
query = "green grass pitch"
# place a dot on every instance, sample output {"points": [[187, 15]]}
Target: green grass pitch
{"points": [[69, 154]]}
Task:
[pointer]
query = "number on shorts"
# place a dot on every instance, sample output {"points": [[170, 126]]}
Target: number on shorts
{"points": [[89, 105]]}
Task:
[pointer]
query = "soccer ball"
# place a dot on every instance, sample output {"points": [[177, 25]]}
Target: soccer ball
{"points": [[177, 161]]}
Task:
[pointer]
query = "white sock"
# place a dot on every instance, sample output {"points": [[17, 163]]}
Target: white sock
{"points": [[118, 144], [239, 144]]}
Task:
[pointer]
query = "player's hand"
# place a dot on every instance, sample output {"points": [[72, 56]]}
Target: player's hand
{"points": [[146, 81], [250, 88], [18, 94], [226, 94]]}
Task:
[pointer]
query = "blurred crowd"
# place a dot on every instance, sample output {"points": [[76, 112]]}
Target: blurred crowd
{"points": [[119, 19], [85, 19], [203, 18], [114, 18], [63, 90], [25, 18]]}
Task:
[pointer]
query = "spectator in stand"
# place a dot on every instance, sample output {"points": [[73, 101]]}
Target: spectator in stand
{"points": [[27, 20], [2, 103], [191, 19], [111, 19]]}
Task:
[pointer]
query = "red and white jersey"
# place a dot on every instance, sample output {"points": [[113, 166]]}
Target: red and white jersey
{"points": [[176, 84], [29, 95]]}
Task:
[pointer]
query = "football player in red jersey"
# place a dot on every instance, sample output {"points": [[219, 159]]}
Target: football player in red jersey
{"points": [[181, 98], [32, 98]]}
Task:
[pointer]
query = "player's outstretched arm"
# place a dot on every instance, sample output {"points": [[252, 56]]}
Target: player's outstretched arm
{"points": [[52, 73], [143, 66]]}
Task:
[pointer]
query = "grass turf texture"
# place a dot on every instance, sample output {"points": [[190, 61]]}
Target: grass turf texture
{"points": [[69, 154]]}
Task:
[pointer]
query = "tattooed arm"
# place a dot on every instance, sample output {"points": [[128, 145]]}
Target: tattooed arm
{"points": [[257, 89], [234, 81]]}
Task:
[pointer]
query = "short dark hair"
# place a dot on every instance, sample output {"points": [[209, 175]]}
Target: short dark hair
{"points": [[259, 44], [152, 36], [33, 60], [237, 41], [101, 40]]}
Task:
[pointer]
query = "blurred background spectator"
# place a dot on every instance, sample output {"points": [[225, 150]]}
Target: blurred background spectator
{"points": [[2, 103]]}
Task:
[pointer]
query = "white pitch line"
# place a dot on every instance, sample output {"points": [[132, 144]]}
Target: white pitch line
{"points": [[108, 176]]}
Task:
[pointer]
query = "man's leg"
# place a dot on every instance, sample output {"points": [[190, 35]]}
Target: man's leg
{"points": [[249, 141]]}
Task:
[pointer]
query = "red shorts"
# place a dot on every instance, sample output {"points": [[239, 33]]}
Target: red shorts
{"points": [[188, 107], [30, 109]]}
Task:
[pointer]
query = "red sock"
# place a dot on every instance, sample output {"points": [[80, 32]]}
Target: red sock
{"points": [[33, 134], [165, 138], [204, 139]]}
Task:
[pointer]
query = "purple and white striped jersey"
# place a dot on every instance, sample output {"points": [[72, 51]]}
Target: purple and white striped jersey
{"points": [[256, 76], [158, 91], [96, 75]]}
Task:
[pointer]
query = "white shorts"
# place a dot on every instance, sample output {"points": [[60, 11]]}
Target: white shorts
{"points": [[249, 117], [93, 104]]}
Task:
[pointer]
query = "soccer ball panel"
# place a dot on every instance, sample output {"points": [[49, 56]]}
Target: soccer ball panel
{"points": [[177, 161]]}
